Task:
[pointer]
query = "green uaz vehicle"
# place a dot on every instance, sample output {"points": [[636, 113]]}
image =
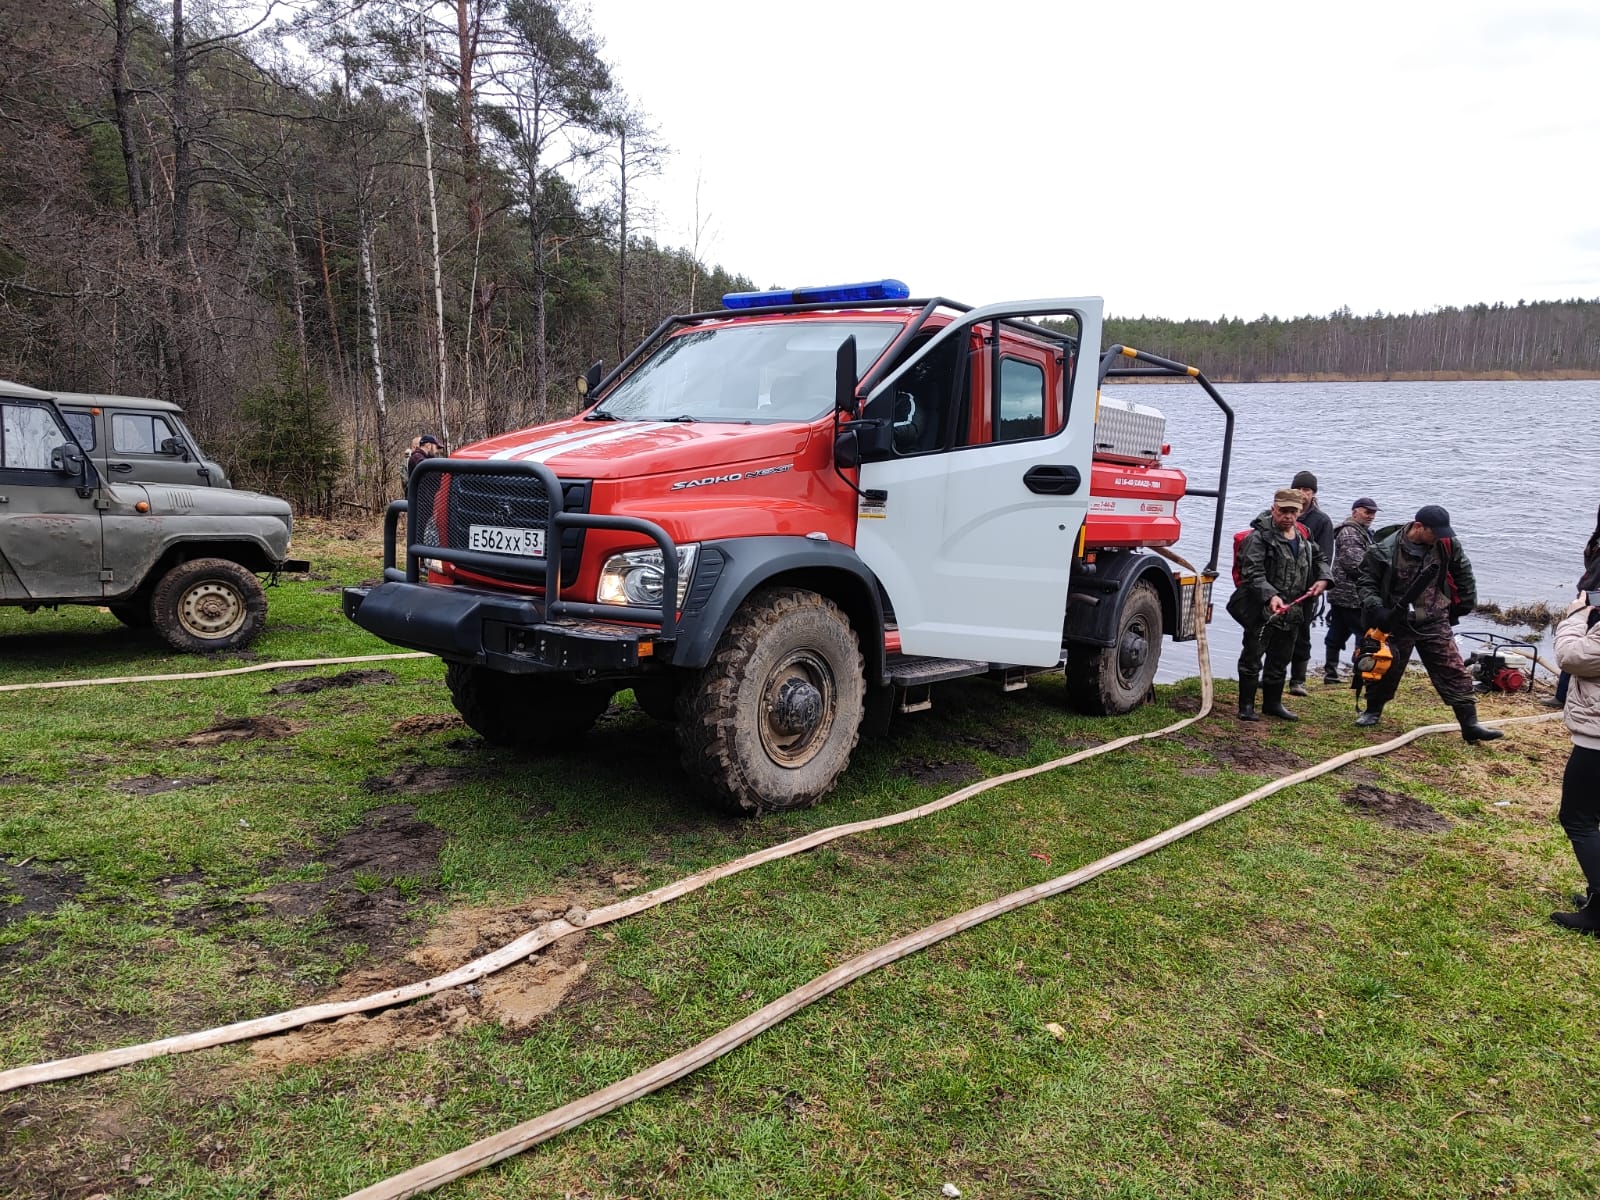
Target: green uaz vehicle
{"points": [[84, 523]]}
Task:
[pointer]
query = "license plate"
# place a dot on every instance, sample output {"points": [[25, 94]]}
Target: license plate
{"points": [[498, 540]]}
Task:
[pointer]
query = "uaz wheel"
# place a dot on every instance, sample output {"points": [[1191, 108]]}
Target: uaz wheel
{"points": [[208, 604], [525, 712], [770, 722], [1106, 681]]}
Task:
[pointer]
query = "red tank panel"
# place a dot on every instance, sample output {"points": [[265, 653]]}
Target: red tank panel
{"points": [[1132, 505]]}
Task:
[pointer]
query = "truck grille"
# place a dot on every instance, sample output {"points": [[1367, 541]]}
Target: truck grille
{"points": [[511, 501]]}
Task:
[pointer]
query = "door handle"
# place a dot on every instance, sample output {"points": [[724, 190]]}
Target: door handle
{"points": [[120, 468], [1053, 480]]}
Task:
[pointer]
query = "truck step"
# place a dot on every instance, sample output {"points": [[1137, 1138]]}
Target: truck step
{"points": [[911, 671], [1011, 679]]}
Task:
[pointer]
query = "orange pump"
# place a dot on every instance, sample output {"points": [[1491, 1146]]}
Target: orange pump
{"points": [[1373, 659]]}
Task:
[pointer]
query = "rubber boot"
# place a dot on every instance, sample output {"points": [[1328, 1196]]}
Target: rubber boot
{"points": [[1272, 702], [1330, 669], [1579, 899], [1585, 920], [1247, 701], [1297, 679], [1370, 717], [1467, 714]]}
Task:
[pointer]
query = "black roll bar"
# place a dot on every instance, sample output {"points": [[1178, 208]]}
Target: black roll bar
{"points": [[1168, 367]]}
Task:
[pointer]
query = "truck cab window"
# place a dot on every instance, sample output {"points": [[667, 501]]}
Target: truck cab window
{"points": [[1019, 404], [920, 401]]}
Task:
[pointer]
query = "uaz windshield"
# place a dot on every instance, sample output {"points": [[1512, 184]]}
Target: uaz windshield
{"points": [[772, 371]]}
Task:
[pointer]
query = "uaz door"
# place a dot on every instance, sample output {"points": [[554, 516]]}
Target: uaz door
{"points": [[49, 530]]}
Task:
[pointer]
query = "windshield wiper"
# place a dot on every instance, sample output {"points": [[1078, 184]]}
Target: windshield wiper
{"points": [[600, 414], [681, 419]]}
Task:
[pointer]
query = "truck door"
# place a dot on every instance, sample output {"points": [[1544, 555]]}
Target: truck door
{"points": [[49, 533], [971, 519]]}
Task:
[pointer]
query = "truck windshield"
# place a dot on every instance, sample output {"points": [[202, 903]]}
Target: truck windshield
{"points": [[770, 371]]}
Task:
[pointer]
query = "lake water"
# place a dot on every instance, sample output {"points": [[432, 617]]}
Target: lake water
{"points": [[1517, 464]]}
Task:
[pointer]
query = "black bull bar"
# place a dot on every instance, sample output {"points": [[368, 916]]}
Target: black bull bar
{"points": [[510, 631]]}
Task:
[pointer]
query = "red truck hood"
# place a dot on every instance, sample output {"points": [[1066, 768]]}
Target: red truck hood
{"points": [[624, 449]]}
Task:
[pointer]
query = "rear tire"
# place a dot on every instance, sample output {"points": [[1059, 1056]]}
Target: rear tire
{"points": [[207, 605], [525, 712], [1106, 681], [770, 722]]}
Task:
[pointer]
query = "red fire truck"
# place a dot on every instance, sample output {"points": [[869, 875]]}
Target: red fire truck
{"points": [[781, 521]]}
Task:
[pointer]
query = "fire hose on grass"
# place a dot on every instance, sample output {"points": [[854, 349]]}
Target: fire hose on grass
{"points": [[575, 920], [271, 666], [523, 1136]]}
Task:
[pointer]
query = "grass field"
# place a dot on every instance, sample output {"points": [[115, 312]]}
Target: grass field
{"points": [[1351, 989]]}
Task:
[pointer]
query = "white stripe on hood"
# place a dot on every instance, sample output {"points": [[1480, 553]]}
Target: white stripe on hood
{"points": [[556, 447], [549, 439]]}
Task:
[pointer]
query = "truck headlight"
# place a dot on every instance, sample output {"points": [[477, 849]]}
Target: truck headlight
{"points": [[636, 577]]}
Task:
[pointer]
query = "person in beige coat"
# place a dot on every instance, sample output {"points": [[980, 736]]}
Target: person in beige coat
{"points": [[1578, 653]]}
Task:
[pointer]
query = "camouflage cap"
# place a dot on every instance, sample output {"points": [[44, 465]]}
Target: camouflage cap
{"points": [[1288, 498]]}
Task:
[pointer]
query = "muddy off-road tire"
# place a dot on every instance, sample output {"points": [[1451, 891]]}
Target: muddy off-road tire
{"points": [[770, 722], [1106, 681], [134, 613], [207, 605], [525, 712]]}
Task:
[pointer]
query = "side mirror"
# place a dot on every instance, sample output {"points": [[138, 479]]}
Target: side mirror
{"points": [[590, 379], [67, 459], [862, 441], [847, 448], [175, 446], [844, 378]]}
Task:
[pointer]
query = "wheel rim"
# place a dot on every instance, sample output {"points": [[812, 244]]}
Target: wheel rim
{"points": [[1133, 650], [212, 610], [797, 706]]}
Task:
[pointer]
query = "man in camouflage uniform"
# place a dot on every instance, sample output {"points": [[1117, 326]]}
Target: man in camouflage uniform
{"points": [[1414, 585], [1351, 541], [1319, 526], [1277, 566]]}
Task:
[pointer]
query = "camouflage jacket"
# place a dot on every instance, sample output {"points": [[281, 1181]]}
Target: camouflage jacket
{"points": [[1273, 565], [1350, 543], [1388, 570]]}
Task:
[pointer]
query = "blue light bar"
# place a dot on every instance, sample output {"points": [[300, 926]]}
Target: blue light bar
{"points": [[876, 289]]}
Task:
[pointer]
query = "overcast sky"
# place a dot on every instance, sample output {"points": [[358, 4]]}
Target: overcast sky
{"points": [[1180, 159]]}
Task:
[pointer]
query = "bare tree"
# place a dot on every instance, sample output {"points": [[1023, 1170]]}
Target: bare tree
{"points": [[637, 152], [555, 86], [425, 118]]}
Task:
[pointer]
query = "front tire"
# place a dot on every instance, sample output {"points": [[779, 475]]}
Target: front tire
{"points": [[524, 712], [207, 605], [770, 722], [1106, 681]]}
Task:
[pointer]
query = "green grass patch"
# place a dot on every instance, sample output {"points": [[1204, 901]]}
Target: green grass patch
{"points": [[1301, 1001]]}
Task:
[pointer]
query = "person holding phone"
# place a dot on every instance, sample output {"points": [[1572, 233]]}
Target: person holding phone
{"points": [[1578, 654]]}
